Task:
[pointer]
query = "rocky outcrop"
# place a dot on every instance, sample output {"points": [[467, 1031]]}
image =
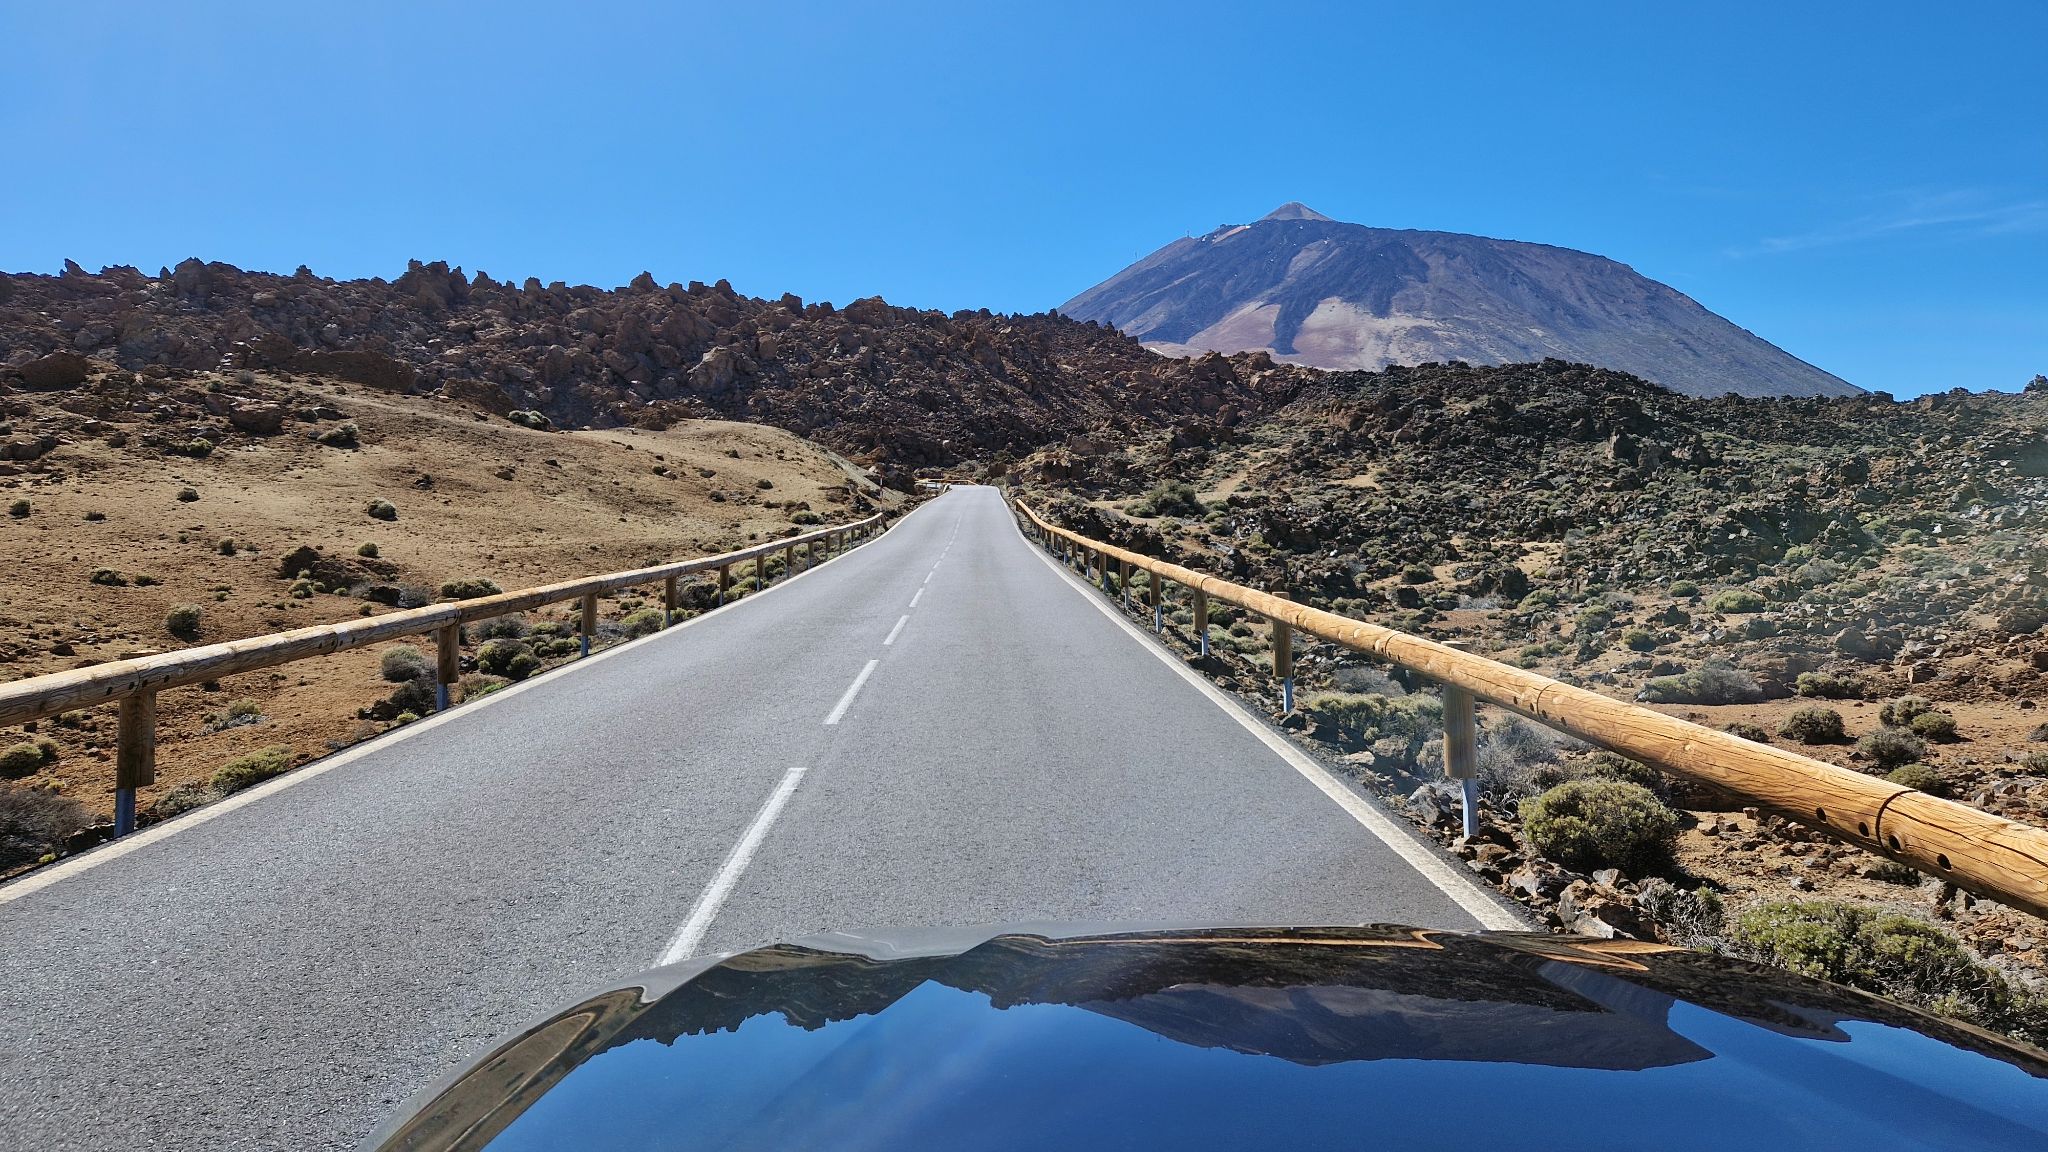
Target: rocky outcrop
{"points": [[898, 386]]}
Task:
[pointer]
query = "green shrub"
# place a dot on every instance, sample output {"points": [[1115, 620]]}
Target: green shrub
{"points": [[145, 580], [34, 822], [1416, 574], [1813, 725], [645, 622], [1171, 498], [187, 495], [1939, 727], [367, 551], [497, 656], [341, 436], [226, 547], [1828, 686], [1737, 600], [1594, 823], [1899, 713], [1684, 589], [1640, 639], [109, 578], [507, 628], [95, 517], [254, 768], [183, 622], [1889, 954], [522, 665], [1748, 731], [197, 448], [1919, 777], [381, 509], [469, 589], [23, 759], [805, 516], [1595, 618], [1607, 765], [19, 509], [1713, 682], [242, 710], [1889, 748], [402, 662]]}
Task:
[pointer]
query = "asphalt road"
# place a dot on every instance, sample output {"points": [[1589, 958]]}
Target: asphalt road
{"points": [[939, 727]]}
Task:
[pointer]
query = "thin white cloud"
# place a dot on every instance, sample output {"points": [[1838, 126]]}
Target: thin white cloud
{"points": [[1953, 212]]}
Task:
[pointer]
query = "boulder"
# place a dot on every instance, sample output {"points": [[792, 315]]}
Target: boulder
{"points": [[57, 370]]}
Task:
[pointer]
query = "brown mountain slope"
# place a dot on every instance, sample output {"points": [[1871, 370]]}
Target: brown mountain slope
{"points": [[1318, 291]]}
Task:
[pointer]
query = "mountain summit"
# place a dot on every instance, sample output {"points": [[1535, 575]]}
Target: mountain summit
{"points": [[1317, 291]]}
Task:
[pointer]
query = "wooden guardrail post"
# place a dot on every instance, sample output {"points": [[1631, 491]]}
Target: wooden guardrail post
{"points": [[1123, 582], [724, 581], [1461, 745], [589, 620], [788, 561], [447, 664], [1283, 662], [671, 599], [1152, 590], [134, 757], [1202, 620], [760, 571]]}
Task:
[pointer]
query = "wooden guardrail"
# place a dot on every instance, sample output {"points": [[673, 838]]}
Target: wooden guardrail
{"points": [[1994, 857], [135, 683]]}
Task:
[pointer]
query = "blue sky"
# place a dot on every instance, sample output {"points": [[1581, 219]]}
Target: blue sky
{"points": [[1866, 186]]}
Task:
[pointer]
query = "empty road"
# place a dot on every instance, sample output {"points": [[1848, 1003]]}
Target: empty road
{"points": [[940, 727]]}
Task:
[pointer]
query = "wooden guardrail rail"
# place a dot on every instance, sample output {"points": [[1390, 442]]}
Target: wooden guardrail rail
{"points": [[135, 683], [1989, 855]]}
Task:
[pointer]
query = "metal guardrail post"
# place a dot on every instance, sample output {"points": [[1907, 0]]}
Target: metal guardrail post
{"points": [[589, 620], [134, 757], [447, 664]]}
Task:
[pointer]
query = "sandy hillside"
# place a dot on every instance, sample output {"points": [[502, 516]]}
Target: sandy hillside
{"points": [[476, 497]]}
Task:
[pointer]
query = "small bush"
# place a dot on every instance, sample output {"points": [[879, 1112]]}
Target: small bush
{"points": [[525, 664], [404, 662], [1173, 498], [764, 483], [502, 628], [2038, 733], [1889, 748], [183, 622], [227, 546], [187, 495], [469, 589], [2035, 762], [1713, 682], [645, 622], [109, 578], [1900, 712], [497, 657], [1640, 639], [367, 551], [1939, 727], [35, 823], [1737, 600], [381, 509], [1919, 777], [145, 580], [805, 516], [95, 517], [1606, 765], [1588, 824], [197, 448], [1813, 725], [1748, 731], [1828, 686], [417, 696], [19, 509], [24, 759], [1416, 574], [254, 768], [341, 436], [1684, 589]]}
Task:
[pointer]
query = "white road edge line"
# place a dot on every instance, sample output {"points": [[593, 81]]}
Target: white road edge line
{"points": [[916, 598], [852, 690], [900, 622], [42, 878], [686, 939], [1461, 889]]}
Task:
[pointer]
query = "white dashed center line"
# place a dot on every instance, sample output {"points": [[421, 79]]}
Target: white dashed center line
{"points": [[852, 690], [916, 598], [900, 622]]}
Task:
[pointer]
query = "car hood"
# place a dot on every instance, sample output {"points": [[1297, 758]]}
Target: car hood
{"points": [[1197, 1038]]}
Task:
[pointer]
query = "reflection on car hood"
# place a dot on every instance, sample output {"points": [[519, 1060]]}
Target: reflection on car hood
{"points": [[1228, 1037]]}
